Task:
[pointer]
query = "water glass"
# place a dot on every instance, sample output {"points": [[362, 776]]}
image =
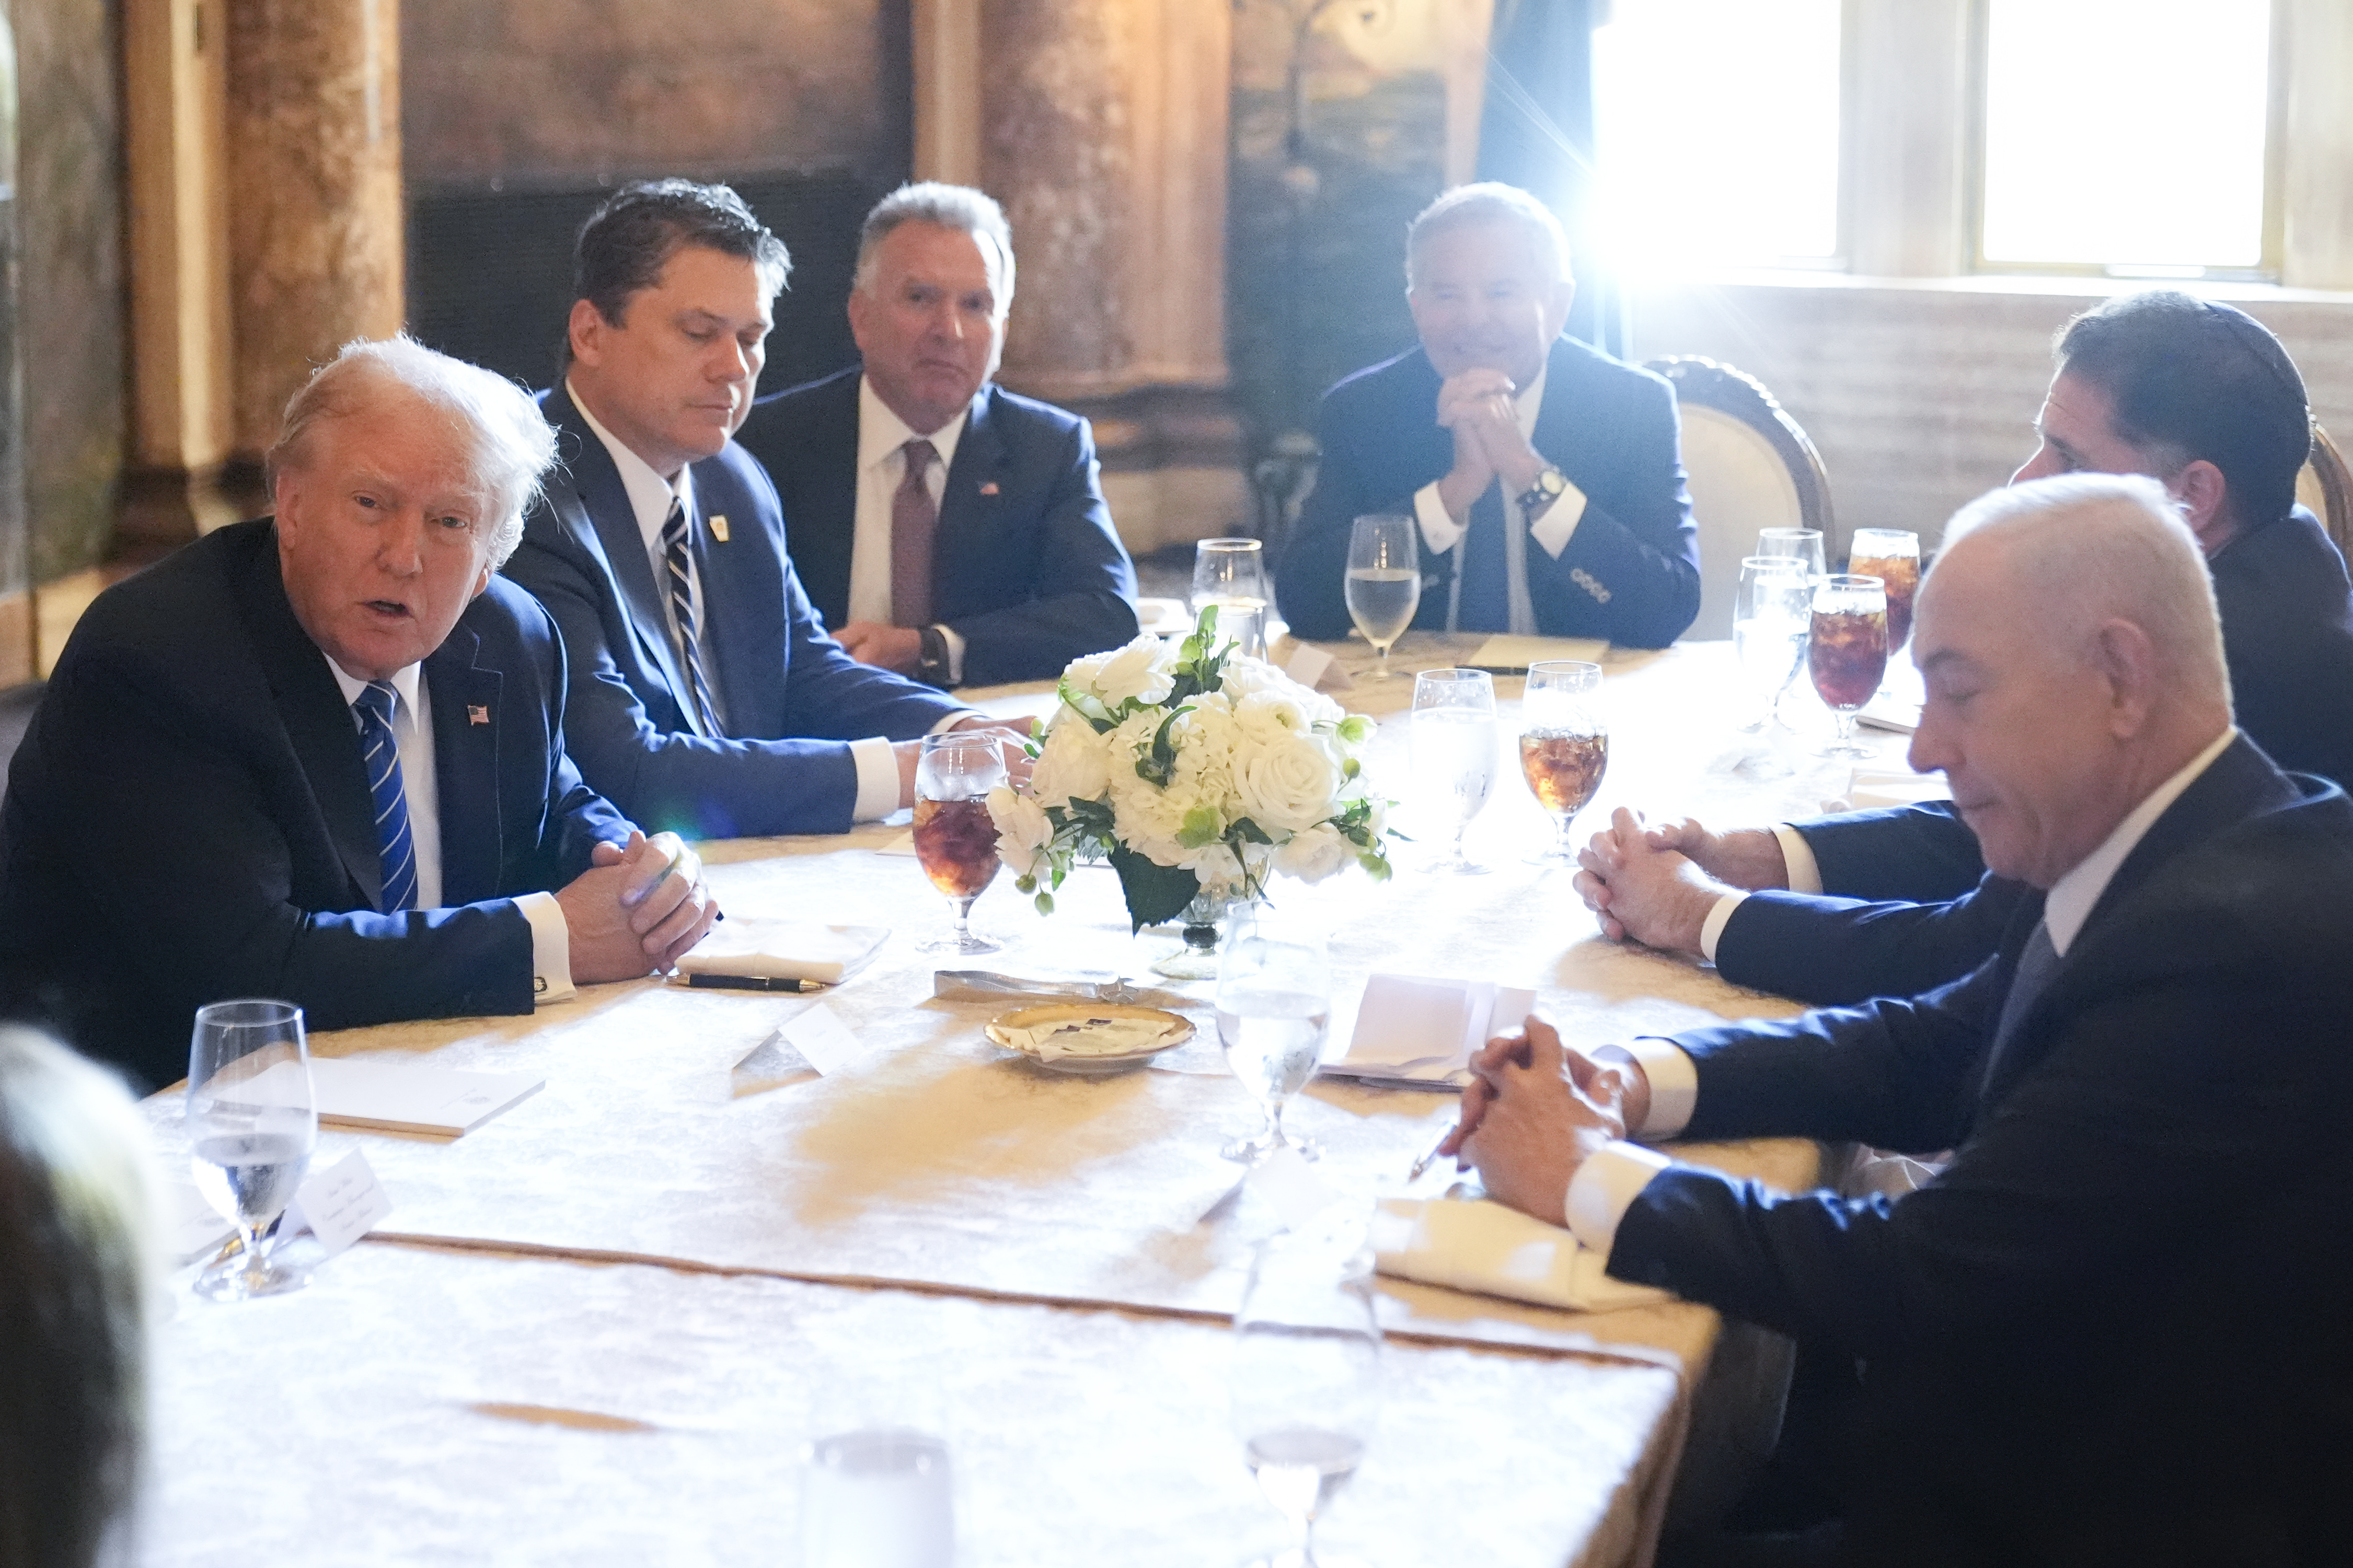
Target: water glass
{"points": [[1800, 543], [1564, 747], [252, 1123], [1770, 623], [1274, 1003], [1891, 555], [956, 839], [1384, 580], [1306, 1379], [879, 1497], [1231, 575], [1453, 745], [1846, 652]]}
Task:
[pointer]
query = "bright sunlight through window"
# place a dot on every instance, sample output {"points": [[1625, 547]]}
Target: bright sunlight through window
{"points": [[2126, 134], [1718, 129]]}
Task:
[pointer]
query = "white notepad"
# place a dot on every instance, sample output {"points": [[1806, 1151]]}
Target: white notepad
{"points": [[405, 1096], [1417, 1030], [1505, 651]]}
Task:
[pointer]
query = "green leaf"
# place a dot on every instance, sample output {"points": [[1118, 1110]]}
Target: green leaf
{"points": [[1376, 866], [1045, 902], [1200, 827], [1244, 828], [1355, 728], [1156, 893]]}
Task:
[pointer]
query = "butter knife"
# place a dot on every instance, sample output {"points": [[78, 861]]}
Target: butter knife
{"points": [[987, 985]]}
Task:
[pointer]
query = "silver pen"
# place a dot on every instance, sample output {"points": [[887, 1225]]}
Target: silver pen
{"points": [[1428, 1158]]}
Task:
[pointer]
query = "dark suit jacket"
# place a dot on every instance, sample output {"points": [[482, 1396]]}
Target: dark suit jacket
{"points": [[2101, 1335], [1630, 571], [188, 819], [1026, 567], [793, 699]]}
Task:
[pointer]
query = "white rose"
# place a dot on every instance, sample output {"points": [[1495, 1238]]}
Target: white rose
{"points": [[1242, 677], [1271, 714], [1314, 853], [1141, 668], [1022, 830], [1287, 784], [1073, 765]]}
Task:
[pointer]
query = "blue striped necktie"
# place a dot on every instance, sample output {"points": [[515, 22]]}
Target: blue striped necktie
{"points": [[380, 754], [681, 611]]}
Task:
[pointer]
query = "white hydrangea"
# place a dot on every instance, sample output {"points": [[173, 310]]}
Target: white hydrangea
{"points": [[1073, 765], [1022, 831], [1145, 669]]}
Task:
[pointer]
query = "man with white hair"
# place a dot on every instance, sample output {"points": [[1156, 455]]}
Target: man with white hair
{"points": [[1546, 478], [2099, 1334], [945, 528], [319, 756]]}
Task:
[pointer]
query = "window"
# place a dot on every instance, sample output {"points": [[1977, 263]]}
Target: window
{"points": [[2128, 135], [1718, 129]]}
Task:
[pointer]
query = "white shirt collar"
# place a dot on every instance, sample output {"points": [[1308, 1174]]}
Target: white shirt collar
{"points": [[404, 681], [650, 493], [880, 431], [2072, 896]]}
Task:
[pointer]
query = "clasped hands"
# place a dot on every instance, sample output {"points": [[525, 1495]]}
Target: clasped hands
{"points": [[1535, 1110], [1655, 883], [1476, 405], [637, 909]]}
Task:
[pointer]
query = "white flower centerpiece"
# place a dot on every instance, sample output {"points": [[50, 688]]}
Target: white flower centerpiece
{"points": [[1196, 772]]}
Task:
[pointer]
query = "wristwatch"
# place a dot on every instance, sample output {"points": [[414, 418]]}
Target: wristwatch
{"points": [[932, 659], [1549, 486]]}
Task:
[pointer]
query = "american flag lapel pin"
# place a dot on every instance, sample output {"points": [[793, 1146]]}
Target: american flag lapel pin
{"points": [[988, 487], [719, 526], [476, 714]]}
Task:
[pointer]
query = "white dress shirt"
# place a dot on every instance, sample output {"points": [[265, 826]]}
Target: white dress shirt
{"points": [[1605, 1185], [650, 501], [1554, 529], [420, 789], [882, 439]]}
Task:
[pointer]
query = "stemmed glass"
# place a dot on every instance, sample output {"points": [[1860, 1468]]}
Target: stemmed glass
{"points": [[1891, 555], [252, 1124], [1564, 747], [1231, 575], [956, 839], [1800, 543], [1847, 652], [1454, 751], [1770, 623], [1274, 1002], [1384, 580], [1305, 1385]]}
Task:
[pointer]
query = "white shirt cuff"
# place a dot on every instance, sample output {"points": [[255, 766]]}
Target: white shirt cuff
{"points": [[1558, 524], [551, 948], [1674, 1082], [1711, 929], [955, 654], [1605, 1187], [1439, 531], [877, 779], [1804, 872]]}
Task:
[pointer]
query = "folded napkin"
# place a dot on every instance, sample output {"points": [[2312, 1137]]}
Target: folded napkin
{"points": [[1481, 1246], [784, 950]]}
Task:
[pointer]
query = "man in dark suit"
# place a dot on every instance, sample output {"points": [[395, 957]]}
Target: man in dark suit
{"points": [[2100, 1334], [707, 697], [2197, 394], [1546, 478], [320, 757], [992, 558]]}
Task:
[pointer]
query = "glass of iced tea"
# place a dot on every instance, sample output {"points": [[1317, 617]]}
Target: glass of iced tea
{"points": [[1891, 555], [1564, 747], [1846, 652], [955, 838]]}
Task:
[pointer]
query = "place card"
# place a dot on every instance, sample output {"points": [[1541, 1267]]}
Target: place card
{"points": [[1411, 1028], [1317, 670], [191, 1227], [1506, 652], [824, 1041], [1296, 1193], [339, 1204]]}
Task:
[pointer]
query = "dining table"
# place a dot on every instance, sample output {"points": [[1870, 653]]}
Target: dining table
{"points": [[606, 1325]]}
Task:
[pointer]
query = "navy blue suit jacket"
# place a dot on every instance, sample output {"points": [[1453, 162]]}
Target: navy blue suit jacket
{"points": [[793, 699], [1906, 910], [188, 820], [1026, 567], [2100, 1335], [1630, 571]]}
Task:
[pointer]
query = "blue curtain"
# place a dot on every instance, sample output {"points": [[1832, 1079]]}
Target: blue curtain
{"points": [[1536, 131]]}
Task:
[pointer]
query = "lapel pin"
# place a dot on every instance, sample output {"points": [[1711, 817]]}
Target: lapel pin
{"points": [[477, 715], [988, 487], [719, 526]]}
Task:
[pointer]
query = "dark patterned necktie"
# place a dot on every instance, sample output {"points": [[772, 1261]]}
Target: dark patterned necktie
{"points": [[2036, 966], [914, 520], [682, 609], [380, 754]]}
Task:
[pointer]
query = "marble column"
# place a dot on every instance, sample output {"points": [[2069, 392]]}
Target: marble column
{"points": [[315, 237], [1102, 130]]}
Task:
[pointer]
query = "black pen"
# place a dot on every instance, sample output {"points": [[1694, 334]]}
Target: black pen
{"points": [[754, 983]]}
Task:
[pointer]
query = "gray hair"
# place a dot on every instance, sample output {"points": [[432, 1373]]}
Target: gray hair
{"points": [[1491, 200], [958, 207], [2092, 547], [511, 446]]}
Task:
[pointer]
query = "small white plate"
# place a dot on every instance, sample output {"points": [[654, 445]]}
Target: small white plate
{"points": [[1089, 1038]]}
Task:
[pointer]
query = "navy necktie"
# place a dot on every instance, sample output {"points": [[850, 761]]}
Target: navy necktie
{"points": [[1487, 605], [2036, 966], [380, 754], [682, 609]]}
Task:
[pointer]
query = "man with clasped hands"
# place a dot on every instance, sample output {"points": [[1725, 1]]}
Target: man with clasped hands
{"points": [[2103, 1334], [1545, 477], [319, 756]]}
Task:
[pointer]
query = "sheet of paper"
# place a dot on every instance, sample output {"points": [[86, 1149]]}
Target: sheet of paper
{"points": [[1296, 1193], [1504, 651], [824, 1041], [339, 1204], [1317, 670], [1412, 1027], [405, 1096]]}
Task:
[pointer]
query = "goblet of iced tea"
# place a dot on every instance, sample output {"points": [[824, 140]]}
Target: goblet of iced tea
{"points": [[1846, 652], [955, 840], [1891, 555], [1564, 747]]}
